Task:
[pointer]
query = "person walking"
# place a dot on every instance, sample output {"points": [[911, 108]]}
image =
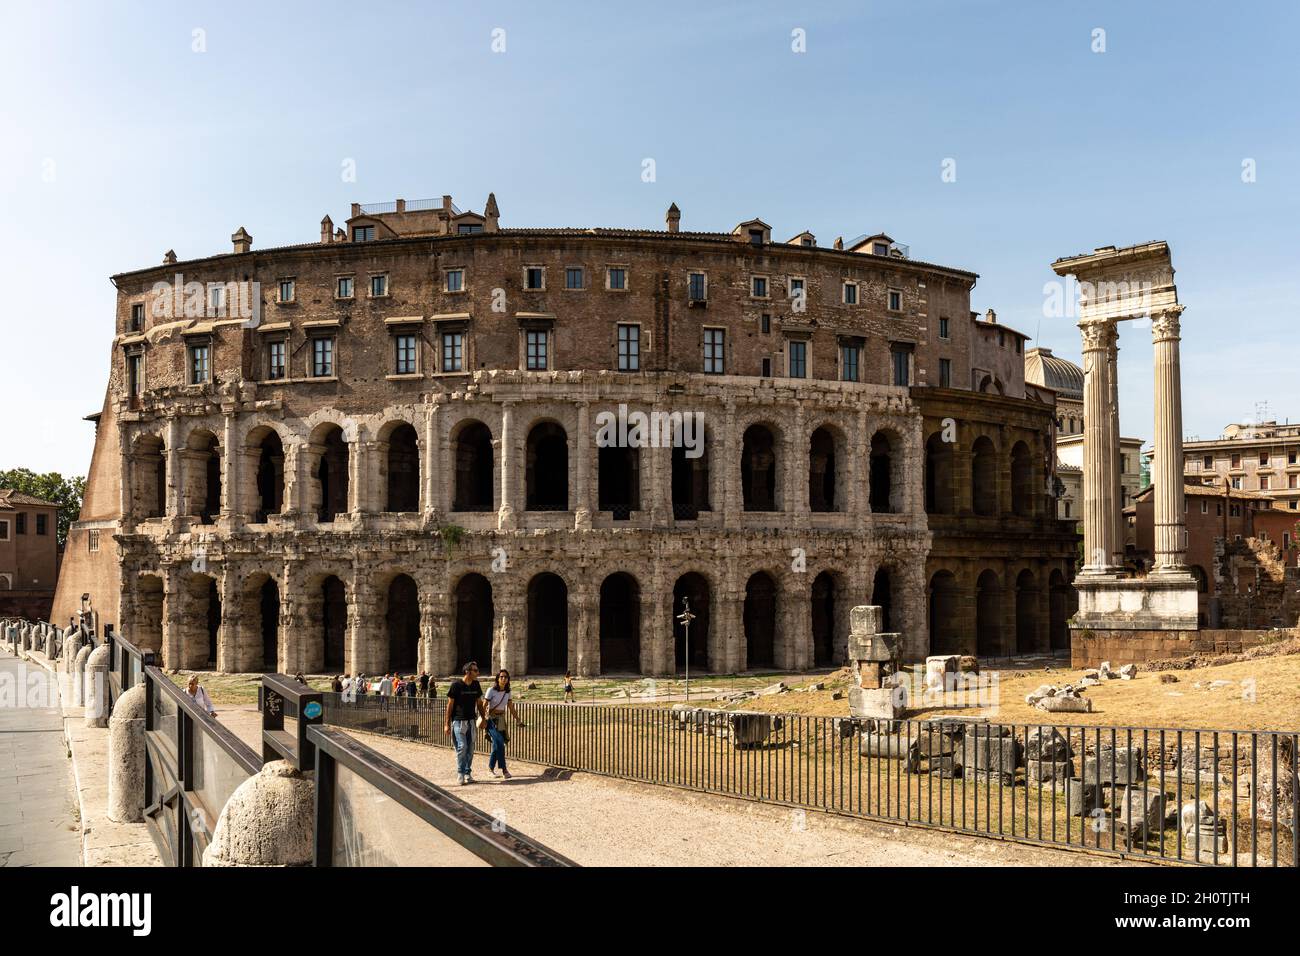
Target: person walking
{"points": [[568, 689], [499, 702], [464, 706], [200, 696]]}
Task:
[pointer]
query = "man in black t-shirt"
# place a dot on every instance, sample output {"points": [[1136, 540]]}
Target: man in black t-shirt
{"points": [[464, 705]]}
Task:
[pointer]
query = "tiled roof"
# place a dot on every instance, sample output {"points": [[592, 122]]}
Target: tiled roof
{"points": [[9, 498]]}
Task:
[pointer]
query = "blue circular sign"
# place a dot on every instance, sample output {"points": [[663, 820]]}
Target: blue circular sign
{"points": [[312, 710]]}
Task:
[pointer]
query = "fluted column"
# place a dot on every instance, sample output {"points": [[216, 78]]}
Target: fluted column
{"points": [[507, 458], [173, 467], [1112, 365], [580, 449], [1099, 503], [1167, 467], [433, 457]]}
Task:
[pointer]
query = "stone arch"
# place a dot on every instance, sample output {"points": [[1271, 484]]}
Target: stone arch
{"points": [[939, 488], [988, 615], [884, 475], [261, 596], [201, 475], [826, 598], [471, 455], [1026, 612], [199, 621], [546, 462], [548, 623], [697, 589], [760, 621], [1022, 480], [760, 474], [264, 451], [827, 457], [984, 476], [691, 491], [148, 477], [475, 621], [945, 623], [324, 645], [618, 480], [148, 633], [620, 624], [328, 460], [401, 608], [1058, 612], [400, 459], [883, 589]]}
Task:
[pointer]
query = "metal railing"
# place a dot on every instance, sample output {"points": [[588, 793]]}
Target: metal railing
{"points": [[1219, 798]]}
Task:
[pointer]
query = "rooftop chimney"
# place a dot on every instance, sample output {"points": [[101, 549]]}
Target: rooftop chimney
{"points": [[169, 257], [242, 240], [401, 205], [674, 218], [491, 214], [991, 316], [340, 235], [839, 242], [326, 229], [446, 204]]}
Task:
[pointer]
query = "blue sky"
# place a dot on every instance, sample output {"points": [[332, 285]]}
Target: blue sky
{"points": [[122, 141]]}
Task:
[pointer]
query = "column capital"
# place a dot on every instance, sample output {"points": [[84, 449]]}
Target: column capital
{"points": [[1098, 334], [1166, 325]]}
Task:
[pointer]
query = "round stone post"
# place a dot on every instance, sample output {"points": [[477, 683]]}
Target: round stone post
{"points": [[1099, 505], [268, 821], [95, 699], [126, 758], [1167, 467], [79, 676]]}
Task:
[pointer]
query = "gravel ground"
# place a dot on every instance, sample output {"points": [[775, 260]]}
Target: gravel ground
{"points": [[599, 821]]}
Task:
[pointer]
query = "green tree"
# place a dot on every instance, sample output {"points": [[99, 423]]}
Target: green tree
{"points": [[52, 487]]}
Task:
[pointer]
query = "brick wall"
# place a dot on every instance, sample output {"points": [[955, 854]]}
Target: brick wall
{"points": [[1089, 647]]}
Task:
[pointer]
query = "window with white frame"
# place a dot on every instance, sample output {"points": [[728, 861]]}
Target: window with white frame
{"points": [[797, 350], [758, 287], [454, 280], [697, 286], [286, 291], [379, 286], [536, 355], [616, 279], [343, 287], [535, 278], [322, 356], [453, 351], [276, 355], [894, 300], [629, 348], [714, 351], [573, 277], [405, 354], [200, 363], [850, 293], [851, 362]]}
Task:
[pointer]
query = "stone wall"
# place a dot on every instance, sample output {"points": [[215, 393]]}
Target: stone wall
{"points": [[1256, 588], [29, 604], [1089, 647]]}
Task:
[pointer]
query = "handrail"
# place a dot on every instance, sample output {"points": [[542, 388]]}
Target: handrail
{"points": [[234, 747], [285, 696]]}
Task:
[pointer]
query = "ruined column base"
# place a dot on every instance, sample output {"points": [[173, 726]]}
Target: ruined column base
{"points": [[1165, 601]]}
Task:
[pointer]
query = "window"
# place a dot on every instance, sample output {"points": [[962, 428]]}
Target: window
{"points": [[469, 228], [1263, 482], [453, 351], [1291, 481], [902, 367], [945, 373], [850, 363], [92, 541], [616, 279], [767, 368], [322, 357], [895, 301], [765, 323], [880, 248], [1236, 461], [756, 237], [275, 359], [1207, 462], [796, 288], [4, 530], [378, 286], [1263, 458], [714, 342], [1205, 507], [137, 317], [758, 287], [850, 293], [200, 363], [363, 233], [798, 359], [535, 342], [1236, 482], [42, 524], [20, 522], [404, 358], [1291, 458], [573, 278], [629, 348], [535, 277], [216, 300], [134, 374], [344, 288], [698, 287], [455, 280], [1067, 509], [943, 328], [286, 290]]}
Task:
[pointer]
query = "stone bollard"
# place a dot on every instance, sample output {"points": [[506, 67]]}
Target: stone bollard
{"points": [[79, 676], [268, 821], [95, 693], [71, 647], [126, 758]]}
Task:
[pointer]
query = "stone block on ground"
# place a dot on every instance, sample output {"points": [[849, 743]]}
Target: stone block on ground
{"points": [[886, 702], [1082, 797], [1046, 771], [993, 756], [1046, 743], [1065, 705], [1122, 765]]}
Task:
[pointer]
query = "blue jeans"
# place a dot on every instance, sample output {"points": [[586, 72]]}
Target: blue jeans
{"points": [[498, 756], [462, 732]]}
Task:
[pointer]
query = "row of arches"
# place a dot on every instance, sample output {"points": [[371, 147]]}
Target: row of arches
{"points": [[983, 622], [944, 496]]}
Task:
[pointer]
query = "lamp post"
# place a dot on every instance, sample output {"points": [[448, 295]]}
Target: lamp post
{"points": [[685, 618]]}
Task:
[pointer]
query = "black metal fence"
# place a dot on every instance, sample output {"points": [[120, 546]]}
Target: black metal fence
{"points": [[1220, 798]]}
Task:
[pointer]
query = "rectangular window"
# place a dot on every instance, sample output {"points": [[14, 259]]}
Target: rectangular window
{"points": [[573, 278], [1207, 462], [796, 288], [945, 373], [363, 233], [4, 530], [902, 371], [895, 301], [137, 317], [216, 300], [759, 287], [536, 342], [286, 290], [1263, 482], [42, 524], [134, 376], [850, 363], [1236, 482], [275, 359], [404, 354], [698, 287], [1291, 481], [378, 286], [534, 277], [850, 293], [714, 342], [1236, 461], [455, 280], [1263, 458], [767, 368], [798, 359], [1205, 507], [943, 327], [1291, 458], [629, 348], [765, 323], [92, 541], [322, 357], [344, 288], [469, 228], [200, 363], [453, 351], [617, 279], [20, 522]]}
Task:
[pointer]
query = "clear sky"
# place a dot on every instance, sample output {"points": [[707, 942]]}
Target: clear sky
{"points": [[122, 140]]}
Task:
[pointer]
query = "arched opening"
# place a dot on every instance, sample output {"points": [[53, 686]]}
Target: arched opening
{"points": [[200, 623], [618, 484], [474, 621], [988, 615], [691, 591], [1022, 480], [203, 476], [331, 473], [984, 477], [758, 475], [149, 613], [1026, 613], [268, 609], [938, 476], [403, 470], [882, 595], [823, 619], [334, 623], [945, 629], [620, 624], [1059, 612], [402, 617], [881, 475], [760, 621], [547, 468], [149, 478], [821, 471], [691, 476], [548, 623], [472, 453], [270, 475]]}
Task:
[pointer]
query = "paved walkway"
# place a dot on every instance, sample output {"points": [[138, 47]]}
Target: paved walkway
{"points": [[38, 815]]}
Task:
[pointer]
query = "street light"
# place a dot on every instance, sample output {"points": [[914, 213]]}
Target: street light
{"points": [[685, 618]]}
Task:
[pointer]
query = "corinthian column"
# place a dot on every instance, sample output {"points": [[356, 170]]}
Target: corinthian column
{"points": [[1099, 440], [1116, 456], [507, 459], [1167, 467]]}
